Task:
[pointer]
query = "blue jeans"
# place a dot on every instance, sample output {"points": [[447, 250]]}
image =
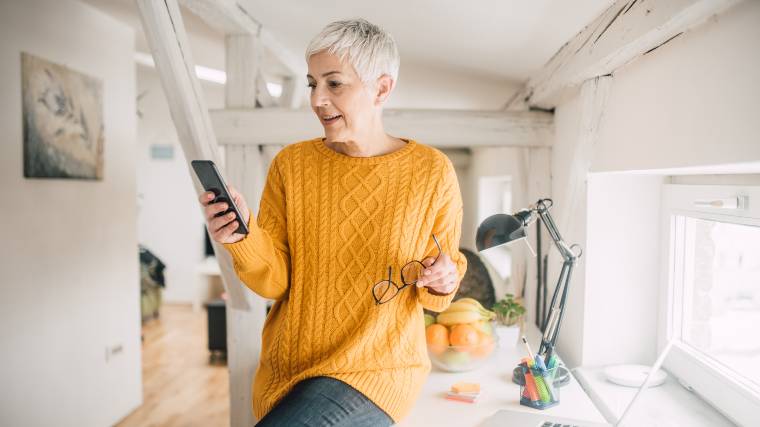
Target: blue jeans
{"points": [[325, 401]]}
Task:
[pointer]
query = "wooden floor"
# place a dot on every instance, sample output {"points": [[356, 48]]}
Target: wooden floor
{"points": [[180, 387]]}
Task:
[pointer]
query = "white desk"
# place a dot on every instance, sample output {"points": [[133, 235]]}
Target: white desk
{"points": [[497, 392]]}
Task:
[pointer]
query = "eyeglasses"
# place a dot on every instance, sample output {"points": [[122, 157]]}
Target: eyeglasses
{"points": [[386, 290]]}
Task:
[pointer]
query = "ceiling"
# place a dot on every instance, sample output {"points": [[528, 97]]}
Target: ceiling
{"points": [[502, 39], [494, 39]]}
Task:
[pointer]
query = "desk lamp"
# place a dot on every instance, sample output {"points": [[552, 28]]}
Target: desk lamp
{"points": [[502, 229]]}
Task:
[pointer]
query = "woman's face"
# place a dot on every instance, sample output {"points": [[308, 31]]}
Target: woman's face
{"points": [[345, 106]]}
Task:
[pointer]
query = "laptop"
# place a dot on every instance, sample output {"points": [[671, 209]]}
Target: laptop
{"points": [[512, 418]]}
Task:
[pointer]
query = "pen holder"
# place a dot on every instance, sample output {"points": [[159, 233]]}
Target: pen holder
{"points": [[539, 391]]}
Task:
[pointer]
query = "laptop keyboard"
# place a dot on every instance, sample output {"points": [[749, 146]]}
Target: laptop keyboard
{"points": [[551, 424]]}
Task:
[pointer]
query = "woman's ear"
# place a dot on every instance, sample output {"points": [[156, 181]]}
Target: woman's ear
{"points": [[383, 89]]}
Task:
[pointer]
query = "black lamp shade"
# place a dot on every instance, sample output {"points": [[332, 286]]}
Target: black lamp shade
{"points": [[497, 230]]}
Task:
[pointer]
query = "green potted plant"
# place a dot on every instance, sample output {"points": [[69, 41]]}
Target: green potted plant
{"points": [[509, 316], [508, 311]]}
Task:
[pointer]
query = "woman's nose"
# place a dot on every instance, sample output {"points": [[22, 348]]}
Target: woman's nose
{"points": [[319, 98]]}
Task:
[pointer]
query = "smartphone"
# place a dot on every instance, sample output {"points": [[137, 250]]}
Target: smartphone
{"points": [[211, 180]]}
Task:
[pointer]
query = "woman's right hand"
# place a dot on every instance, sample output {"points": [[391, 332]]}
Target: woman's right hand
{"points": [[222, 229]]}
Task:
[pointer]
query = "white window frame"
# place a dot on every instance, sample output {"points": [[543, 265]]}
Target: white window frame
{"points": [[736, 399]]}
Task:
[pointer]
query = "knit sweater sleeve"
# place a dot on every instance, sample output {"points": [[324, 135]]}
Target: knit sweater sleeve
{"points": [[262, 258], [448, 229]]}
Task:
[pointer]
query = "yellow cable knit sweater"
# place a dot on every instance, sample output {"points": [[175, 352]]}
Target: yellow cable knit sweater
{"points": [[328, 228]]}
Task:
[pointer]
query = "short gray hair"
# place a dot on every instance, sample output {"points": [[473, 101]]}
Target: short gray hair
{"points": [[369, 49]]}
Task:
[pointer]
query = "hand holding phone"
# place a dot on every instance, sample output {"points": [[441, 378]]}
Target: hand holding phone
{"points": [[225, 209]]}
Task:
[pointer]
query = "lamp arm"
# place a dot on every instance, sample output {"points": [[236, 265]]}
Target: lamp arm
{"points": [[551, 323], [571, 264], [554, 318], [546, 218]]}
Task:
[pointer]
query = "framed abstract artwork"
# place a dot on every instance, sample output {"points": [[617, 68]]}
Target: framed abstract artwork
{"points": [[63, 121]]}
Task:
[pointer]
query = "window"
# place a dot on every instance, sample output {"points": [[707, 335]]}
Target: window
{"points": [[711, 301]]}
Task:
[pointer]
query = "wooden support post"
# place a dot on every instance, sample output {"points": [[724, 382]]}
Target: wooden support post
{"points": [[166, 36], [242, 61], [292, 93], [594, 94], [244, 167], [266, 100], [168, 41], [244, 326]]}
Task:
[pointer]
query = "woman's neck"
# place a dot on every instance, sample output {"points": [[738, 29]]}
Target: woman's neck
{"points": [[371, 144]]}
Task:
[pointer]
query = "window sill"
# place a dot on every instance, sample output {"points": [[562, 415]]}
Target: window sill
{"points": [[669, 403]]}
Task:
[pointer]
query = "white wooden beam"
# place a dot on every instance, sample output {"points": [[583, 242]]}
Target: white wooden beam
{"points": [[571, 202], [244, 170], [622, 33], [242, 62], [292, 93], [168, 42], [233, 17], [244, 326], [166, 36], [593, 96], [441, 128], [265, 99]]}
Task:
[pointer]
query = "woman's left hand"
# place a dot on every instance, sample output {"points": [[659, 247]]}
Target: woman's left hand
{"points": [[439, 277]]}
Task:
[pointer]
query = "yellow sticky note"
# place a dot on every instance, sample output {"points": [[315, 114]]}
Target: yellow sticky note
{"points": [[462, 387]]}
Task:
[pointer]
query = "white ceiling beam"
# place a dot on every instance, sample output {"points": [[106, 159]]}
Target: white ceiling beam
{"points": [[622, 33], [440, 128], [232, 17]]}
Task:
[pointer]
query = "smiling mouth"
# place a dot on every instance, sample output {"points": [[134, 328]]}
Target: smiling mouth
{"points": [[331, 119]]}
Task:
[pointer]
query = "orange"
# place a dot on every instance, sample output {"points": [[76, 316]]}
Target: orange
{"points": [[464, 336], [484, 337], [485, 347], [437, 338]]}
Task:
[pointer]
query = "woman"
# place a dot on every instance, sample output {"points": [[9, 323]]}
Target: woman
{"points": [[339, 215]]}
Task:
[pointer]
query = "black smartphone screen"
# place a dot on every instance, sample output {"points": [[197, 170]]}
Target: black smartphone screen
{"points": [[211, 180]]}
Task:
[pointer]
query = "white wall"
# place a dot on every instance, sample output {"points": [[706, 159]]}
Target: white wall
{"points": [[622, 267], [69, 261], [422, 86], [690, 103]]}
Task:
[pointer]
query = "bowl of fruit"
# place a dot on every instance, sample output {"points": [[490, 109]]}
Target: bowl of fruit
{"points": [[461, 338]]}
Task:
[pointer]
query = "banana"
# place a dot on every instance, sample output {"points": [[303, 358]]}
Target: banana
{"points": [[471, 301], [483, 326], [465, 304], [458, 317], [462, 306]]}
